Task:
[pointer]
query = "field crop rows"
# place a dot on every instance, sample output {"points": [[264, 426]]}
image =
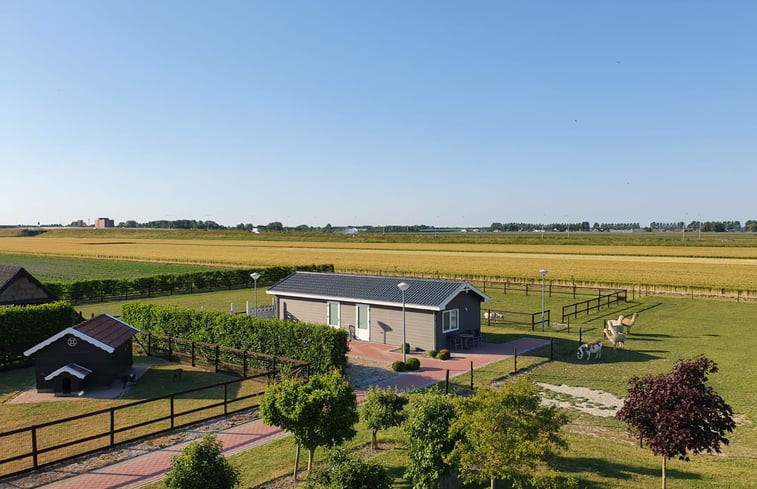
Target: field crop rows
{"points": [[702, 267]]}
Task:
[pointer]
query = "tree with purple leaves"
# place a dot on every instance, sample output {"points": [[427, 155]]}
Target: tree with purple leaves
{"points": [[677, 413]]}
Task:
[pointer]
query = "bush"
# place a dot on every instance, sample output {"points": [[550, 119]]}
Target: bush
{"points": [[345, 471], [24, 326], [201, 466], [432, 353], [443, 354], [322, 346], [399, 366], [412, 363], [406, 347]]}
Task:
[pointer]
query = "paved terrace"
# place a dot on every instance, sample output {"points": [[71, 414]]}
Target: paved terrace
{"points": [[150, 467]]}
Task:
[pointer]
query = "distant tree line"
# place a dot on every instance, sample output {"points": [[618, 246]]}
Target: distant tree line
{"points": [[277, 226]]}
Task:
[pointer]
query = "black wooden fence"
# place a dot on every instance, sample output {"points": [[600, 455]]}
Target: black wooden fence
{"points": [[609, 298], [43, 444], [492, 317]]}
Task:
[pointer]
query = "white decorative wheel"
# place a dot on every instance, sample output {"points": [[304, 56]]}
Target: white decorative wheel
{"points": [[72, 341]]}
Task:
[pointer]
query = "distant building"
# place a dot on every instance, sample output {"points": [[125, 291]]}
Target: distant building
{"points": [[104, 222], [80, 223]]}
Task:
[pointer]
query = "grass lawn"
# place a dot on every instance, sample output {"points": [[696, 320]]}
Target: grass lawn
{"points": [[601, 454]]}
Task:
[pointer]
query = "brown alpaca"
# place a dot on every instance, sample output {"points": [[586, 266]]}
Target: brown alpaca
{"points": [[627, 323]]}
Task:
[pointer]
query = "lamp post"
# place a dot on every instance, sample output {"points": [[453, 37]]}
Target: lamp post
{"points": [[543, 274], [255, 276], [403, 286]]}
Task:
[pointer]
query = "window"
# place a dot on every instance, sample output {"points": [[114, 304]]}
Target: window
{"points": [[450, 321], [332, 313]]}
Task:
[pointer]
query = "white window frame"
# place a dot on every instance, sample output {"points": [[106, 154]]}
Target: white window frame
{"points": [[447, 314], [338, 314]]}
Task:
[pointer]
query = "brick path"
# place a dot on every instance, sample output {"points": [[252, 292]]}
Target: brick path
{"points": [[151, 467]]}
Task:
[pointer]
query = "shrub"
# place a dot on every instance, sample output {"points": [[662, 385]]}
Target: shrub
{"points": [[200, 466], [320, 345], [345, 471], [399, 366], [432, 353], [406, 347], [443, 354], [24, 326], [412, 363]]}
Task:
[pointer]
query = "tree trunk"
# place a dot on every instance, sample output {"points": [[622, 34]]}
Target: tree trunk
{"points": [[491, 484], [311, 456], [664, 475], [296, 462], [373, 439]]}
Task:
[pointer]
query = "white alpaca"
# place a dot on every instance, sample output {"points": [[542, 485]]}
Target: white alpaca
{"points": [[589, 348], [616, 337]]}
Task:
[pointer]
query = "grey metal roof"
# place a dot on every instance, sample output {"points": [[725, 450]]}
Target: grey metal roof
{"points": [[422, 293]]}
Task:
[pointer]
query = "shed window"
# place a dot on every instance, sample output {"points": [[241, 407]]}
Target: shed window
{"points": [[450, 321], [333, 314]]}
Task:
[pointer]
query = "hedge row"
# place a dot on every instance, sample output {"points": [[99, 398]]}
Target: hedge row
{"points": [[22, 327], [320, 345], [99, 290]]}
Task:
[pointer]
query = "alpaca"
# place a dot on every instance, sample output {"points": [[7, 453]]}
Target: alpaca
{"points": [[615, 337], [627, 323], [589, 348]]}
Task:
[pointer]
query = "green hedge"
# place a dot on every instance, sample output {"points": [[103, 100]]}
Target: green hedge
{"points": [[320, 345], [22, 327], [99, 290]]}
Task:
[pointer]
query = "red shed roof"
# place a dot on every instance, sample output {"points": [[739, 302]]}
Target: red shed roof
{"points": [[103, 331]]}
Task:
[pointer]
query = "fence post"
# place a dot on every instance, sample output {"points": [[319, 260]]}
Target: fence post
{"points": [[568, 324], [217, 349], [225, 398], [471, 375], [244, 363], [149, 344], [170, 348], [172, 411], [112, 426], [526, 289], [505, 286], [446, 383], [580, 335], [35, 461], [193, 353], [550, 288], [274, 367], [515, 361], [489, 317], [551, 349]]}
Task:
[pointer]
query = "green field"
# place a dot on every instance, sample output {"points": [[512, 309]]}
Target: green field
{"points": [[57, 269]]}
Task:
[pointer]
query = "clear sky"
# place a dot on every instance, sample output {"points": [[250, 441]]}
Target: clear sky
{"points": [[382, 112]]}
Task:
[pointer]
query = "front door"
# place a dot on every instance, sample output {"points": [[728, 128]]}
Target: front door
{"points": [[65, 385], [363, 322]]}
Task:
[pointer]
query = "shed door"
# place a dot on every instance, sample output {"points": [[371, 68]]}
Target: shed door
{"points": [[363, 322]]}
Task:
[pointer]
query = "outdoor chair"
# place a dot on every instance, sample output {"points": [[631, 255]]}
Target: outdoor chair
{"points": [[456, 342], [477, 338]]}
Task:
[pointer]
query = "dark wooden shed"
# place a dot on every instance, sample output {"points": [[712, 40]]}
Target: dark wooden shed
{"points": [[93, 353], [18, 287]]}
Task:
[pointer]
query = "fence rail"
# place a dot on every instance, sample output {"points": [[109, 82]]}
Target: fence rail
{"points": [[47, 443], [614, 297], [219, 358], [492, 317]]}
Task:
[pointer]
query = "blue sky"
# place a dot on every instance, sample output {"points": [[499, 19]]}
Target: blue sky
{"points": [[385, 112]]}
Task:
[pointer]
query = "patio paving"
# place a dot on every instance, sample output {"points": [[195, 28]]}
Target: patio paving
{"points": [[152, 466]]}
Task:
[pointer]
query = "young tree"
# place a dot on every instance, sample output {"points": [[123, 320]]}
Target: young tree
{"points": [[504, 434], [201, 466], [382, 408], [676, 413], [429, 442], [321, 412]]}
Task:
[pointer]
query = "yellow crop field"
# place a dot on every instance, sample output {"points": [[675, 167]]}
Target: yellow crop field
{"points": [[702, 267]]}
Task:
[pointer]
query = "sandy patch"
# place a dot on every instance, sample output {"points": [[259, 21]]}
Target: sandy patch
{"points": [[594, 402]]}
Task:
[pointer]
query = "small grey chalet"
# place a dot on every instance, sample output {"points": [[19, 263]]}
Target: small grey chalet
{"points": [[19, 288], [93, 353], [370, 307]]}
